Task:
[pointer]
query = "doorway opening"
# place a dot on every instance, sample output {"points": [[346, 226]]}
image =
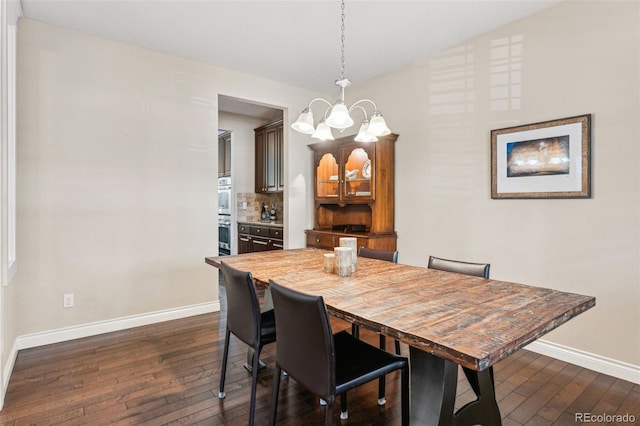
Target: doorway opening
{"points": [[238, 118]]}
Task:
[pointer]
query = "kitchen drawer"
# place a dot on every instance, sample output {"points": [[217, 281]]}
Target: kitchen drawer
{"points": [[275, 233], [320, 240], [260, 231], [243, 229]]}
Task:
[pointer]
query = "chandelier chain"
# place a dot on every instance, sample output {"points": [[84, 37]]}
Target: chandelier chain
{"points": [[342, 44], [338, 116]]}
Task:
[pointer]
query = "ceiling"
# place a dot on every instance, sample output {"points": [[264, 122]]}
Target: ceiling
{"points": [[294, 42]]}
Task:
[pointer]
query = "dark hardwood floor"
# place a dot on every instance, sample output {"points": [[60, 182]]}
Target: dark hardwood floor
{"points": [[168, 373]]}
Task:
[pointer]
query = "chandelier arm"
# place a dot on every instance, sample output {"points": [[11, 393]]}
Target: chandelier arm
{"points": [[320, 99], [364, 111], [375, 107]]}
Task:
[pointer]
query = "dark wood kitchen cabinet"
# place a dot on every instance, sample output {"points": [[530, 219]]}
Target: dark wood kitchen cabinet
{"points": [[224, 154], [269, 158], [354, 193], [263, 237]]}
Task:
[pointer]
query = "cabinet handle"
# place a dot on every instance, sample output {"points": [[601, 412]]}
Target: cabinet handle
{"points": [[317, 240], [263, 243]]}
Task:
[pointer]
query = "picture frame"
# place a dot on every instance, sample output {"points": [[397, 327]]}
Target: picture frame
{"points": [[549, 159]]}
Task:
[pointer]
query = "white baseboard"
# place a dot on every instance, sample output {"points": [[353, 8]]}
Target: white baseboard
{"points": [[604, 365], [92, 329]]}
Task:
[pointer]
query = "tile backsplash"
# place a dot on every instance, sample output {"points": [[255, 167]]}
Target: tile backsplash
{"points": [[254, 205]]}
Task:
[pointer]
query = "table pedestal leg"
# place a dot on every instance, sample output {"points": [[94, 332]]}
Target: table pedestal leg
{"points": [[433, 393]]}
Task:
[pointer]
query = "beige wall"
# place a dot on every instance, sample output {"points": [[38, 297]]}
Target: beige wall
{"points": [[575, 58], [117, 168]]}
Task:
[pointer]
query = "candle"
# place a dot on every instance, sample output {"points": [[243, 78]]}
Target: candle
{"points": [[352, 243], [329, 260], [344, 264]]}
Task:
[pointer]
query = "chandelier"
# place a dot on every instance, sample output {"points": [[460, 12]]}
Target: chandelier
{"points": [[338, 116]]}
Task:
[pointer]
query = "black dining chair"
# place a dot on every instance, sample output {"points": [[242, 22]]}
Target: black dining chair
{"points": [[476, 270], [326, 364], [467, 268], [247, 323], [389, 256]]}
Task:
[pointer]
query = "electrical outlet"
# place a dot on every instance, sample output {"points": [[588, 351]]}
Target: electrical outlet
{"points": [[244, 205], [67, 300]]}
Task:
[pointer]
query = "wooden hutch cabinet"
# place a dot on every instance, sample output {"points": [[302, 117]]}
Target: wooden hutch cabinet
{"points": [[354, 193], [269, 158]]}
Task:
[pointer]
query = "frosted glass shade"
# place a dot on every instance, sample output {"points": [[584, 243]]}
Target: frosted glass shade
{"points": [[363, 134], [339, 117], [304, 123], [377, 125], [323, 132]]}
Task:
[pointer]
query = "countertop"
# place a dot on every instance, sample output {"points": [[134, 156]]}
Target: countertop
{"points": [[273, 223]]}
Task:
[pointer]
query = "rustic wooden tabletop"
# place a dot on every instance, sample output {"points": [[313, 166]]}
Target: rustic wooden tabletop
{"points": [[472, 321]]}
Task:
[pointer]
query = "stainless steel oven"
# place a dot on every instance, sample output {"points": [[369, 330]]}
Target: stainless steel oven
{"points": [[224, 235], [224, 196]]}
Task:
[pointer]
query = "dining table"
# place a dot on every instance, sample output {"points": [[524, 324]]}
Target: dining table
{"points": [[447, 320]]}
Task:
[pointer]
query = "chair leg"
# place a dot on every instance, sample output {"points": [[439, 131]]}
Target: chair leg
{"points": [[254, 385], [221, 394], [274, 399], [398, 352], [382, 380], [328, 414], [344, 412]]}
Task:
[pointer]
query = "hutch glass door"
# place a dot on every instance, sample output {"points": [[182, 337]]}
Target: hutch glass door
{"points": [[357, 173], [328, 177]]}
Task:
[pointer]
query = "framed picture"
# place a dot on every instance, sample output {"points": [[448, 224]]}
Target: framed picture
{"points": [[551, 159]]}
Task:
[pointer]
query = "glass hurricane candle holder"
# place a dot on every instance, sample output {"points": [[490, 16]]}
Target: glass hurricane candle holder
{"points": [[329, 263], [352, 243], [344, 264]]}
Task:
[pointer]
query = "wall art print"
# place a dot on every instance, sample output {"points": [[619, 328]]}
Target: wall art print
{"points": [[550, 159]]}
